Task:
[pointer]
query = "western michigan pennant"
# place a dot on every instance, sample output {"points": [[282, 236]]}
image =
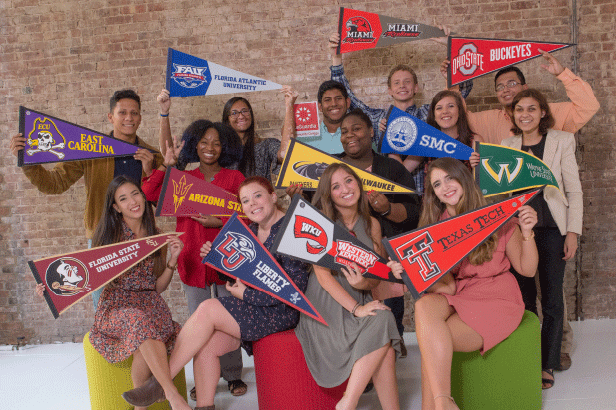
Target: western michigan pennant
{"points": [[428, 253], [185, 195], [360, 30], [50, 139], [189, 76], [70, 277], [407, 135], [308, 235], [297, 169], [473, 57], [503, 170], [238, 253]]}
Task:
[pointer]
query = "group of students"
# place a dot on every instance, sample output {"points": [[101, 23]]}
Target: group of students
{"points": [[472, 308]]}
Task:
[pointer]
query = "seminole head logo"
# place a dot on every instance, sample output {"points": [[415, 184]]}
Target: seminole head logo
{"points": [[235, 250], [359, 30], [189, 76], [45, 137], [310, 170], [313, 232], [401, 133], [66, 277], [503, 170], [180, 189]]}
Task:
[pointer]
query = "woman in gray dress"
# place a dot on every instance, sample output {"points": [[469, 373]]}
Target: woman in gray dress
{"points": [[361, 341]]}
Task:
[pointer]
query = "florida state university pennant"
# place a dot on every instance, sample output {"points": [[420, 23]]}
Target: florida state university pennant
{"points": [[360, 30], [50, 139], [70, 277], [428, 253], [308, 235], [238, 253], [473, 57]]}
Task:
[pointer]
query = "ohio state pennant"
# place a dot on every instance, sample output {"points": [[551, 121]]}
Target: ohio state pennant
{"points": [[50, 139], [360, 30], [70, 277], [238, 253], [428, 253], [474, 57]]}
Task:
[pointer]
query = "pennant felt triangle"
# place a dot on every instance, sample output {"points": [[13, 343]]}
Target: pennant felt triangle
{"points": [[428, 253], [189, 76], [408, 135], [298, 169], [238, 253], [70, 277], [308, 235], [473, 57], [50, 139], [360, 30]]}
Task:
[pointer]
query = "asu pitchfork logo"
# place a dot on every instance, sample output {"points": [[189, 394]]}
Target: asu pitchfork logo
{"points": [[418, 251], [504, 169]]}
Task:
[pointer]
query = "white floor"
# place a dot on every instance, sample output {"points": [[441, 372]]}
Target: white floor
{"points": [[54, 376]]}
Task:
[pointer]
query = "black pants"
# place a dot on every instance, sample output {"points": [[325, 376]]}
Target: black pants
{"points": [[397, 308]]}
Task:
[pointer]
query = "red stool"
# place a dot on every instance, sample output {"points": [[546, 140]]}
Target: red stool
{"points": [[283, 378]]}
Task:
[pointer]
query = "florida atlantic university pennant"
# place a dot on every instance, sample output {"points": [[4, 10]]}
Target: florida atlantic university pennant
{"points": [[50, 139], [308, 235], [238, 253], [503, 170], [473, 57], [185, 195], [70, 277], [360, 30], [189, 76], [304, 165], [428, 253], [407, 135]]}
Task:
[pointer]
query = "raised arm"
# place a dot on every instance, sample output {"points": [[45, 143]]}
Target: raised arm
{"points": [[288, 127], [164, 106]]}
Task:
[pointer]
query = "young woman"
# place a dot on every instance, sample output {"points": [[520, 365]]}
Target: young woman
{"points": [[361, 341], [479, 304], [559, 219], [219, 325], [132, 318]]}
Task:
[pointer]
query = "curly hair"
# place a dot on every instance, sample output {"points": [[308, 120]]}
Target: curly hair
{"points": [[229, 141]]}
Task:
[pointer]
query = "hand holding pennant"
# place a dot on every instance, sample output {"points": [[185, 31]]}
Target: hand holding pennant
{"points": [[428, 253]]}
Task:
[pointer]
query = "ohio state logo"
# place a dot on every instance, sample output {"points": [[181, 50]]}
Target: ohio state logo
{"points": [[417, 251], [313, 232], [189, 76], [468, 60], [235, 250], [402, 30], [359, 31]]}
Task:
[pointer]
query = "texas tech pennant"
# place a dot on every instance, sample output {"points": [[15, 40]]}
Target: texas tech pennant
{"points": [[238, 253], [50, 139], [70, 277], [308, 235], [360, 30], [473, 57], [428, 253]]}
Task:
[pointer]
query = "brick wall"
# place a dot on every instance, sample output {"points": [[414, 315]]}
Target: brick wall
{"points": [[65, 59]]}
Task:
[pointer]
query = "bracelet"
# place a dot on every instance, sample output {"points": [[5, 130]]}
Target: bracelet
{"points": [[355, 308], [529, 237], [164, 115], [388, 211], [171, 267]]}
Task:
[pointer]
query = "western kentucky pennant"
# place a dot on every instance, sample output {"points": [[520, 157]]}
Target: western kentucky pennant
{"points": [[50, 139], [307, 119], [238, 253], [308, 235], [428, 253], [189, 76], [473, 57], [298, 169], [360, 30], [503, 170], [407, 135], [70, 277], [185, 195]]}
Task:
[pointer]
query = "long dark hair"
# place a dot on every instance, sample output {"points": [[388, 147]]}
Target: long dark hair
{"points": [[247, 163], [546, 122], [229, 140], [465, 135]]}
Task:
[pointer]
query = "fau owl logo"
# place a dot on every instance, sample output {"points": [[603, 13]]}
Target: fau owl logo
{"points": [[313, 232], [189, 76], [235, 250], [418, 251]]}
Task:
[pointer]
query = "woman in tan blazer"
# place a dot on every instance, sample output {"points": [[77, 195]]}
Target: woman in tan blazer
{"points": [[559, 216]]}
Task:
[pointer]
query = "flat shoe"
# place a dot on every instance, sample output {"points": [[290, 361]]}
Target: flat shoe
{"points": [[148, 393], [549, 382], [238, 387]]}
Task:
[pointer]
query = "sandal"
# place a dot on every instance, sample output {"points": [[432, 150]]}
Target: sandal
{"points": [[548, 382], [238, 387], [193, 394]]}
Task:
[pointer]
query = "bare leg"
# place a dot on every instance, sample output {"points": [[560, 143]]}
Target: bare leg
{"points": [[427, 397], [140, 372], [385, 381]]}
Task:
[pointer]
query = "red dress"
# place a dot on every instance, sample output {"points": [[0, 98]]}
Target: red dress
{"points": [[130, 311]]}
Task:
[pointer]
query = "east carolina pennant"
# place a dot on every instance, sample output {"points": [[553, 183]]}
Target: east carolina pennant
{"points": [[407, 135], [474, 57], [503, 170], [189, 76], [70, 277], [308, 235], [50, 139], [238, 253], [360, 30], [428, 253], [304, 165], [185, 195]]}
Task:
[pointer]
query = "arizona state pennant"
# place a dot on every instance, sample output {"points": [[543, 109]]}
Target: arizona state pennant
{"points": [[70, 277], [428, 253], [238, 253]]}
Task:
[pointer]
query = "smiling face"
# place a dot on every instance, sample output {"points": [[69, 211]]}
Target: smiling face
{"points": [[257, 203], [209, 147], [129, 201], [505, 93], [239, 117], [125, 118], [403, 87], [356, 137], [333, 105], [447, 189], [344, 189], [446, 113], [527, 115]]}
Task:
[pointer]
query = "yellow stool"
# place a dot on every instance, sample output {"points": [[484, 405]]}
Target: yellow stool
{"points": [[107, 381]]}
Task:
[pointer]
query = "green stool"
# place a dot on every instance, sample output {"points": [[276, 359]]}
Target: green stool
{"points": [[508, 376]]}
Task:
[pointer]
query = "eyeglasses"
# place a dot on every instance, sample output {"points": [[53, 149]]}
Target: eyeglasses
{"points": [[245, 112], [509, 84]]}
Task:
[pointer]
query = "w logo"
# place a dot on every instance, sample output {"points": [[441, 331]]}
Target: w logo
{"points": [[504, 169]]}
